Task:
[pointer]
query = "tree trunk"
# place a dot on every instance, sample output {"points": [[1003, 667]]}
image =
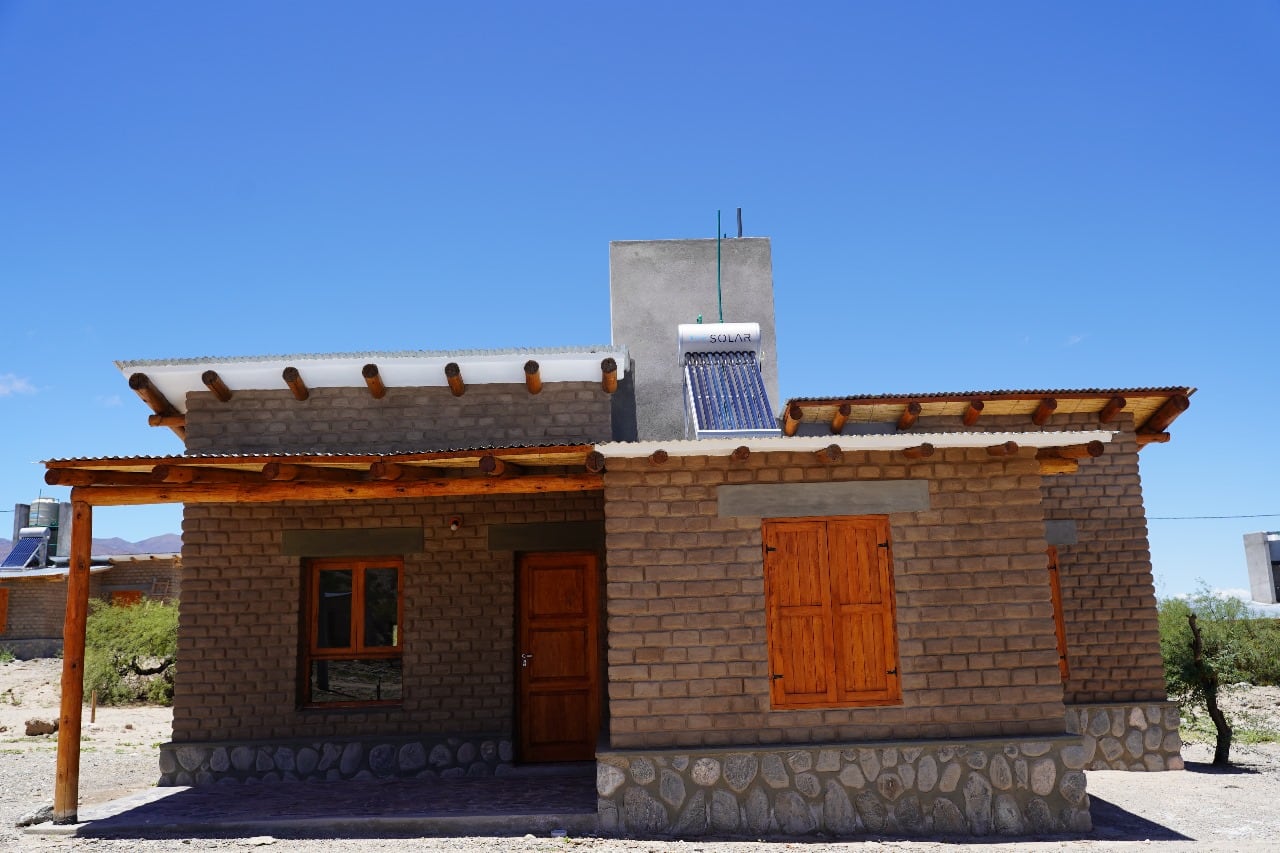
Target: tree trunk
{"points": [[1209, 682]]}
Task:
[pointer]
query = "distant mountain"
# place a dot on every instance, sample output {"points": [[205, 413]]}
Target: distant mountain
{"points": [[169, 543]]}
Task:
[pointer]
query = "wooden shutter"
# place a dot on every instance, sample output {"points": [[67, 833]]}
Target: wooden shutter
{"points": [[830, 613], [4, 610], [1059, 625]]}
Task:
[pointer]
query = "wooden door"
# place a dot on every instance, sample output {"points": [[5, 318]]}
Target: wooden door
{"points": [[557, 658]]}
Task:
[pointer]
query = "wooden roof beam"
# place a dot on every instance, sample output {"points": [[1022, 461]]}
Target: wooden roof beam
{"points": [[214, 383], [185, 474], [1112, 410], [399, 472], [1145, 438], [532, 376], [658, 457], [791, 420], [1092, 450], [373, 379], [453, 375], [910, 414], [1044, 411], [170, 421], [923, 451], [1008, 448], [595, 462], [284, 471], [492, 466], [830, 454], [1051, 467], [1166, 414], [150, 394], [609, 375], [293, 379], [972, 413], [70, 477], [741, 453], [840, 418]]}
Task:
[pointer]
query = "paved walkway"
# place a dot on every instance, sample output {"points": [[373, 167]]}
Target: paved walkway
{"points": [[508, 805]]}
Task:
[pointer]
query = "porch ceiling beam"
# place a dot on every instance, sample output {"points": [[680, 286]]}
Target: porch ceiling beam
{"points": [[1008, 448], [595, 462], [830, 454], [171, 421], [910, 414], [394, 472], [183, 474], [1092, 450], [492, 466], [284, 472], [923, 451], [532, 376], [282, 492], [1050, 467], [972, 412], [1112, 409], [66, 477], [1145, 438]]}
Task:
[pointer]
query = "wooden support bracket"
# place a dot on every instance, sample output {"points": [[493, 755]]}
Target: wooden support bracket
{"points": [[141, 385]]}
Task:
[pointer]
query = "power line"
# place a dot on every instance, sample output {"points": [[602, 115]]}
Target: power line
{"points": [[1203, 517]]}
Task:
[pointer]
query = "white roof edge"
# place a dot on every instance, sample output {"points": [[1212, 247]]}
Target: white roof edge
{"points": [[895, 441], [175, 379]]}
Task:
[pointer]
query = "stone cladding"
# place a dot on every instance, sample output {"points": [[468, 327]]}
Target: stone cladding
{"points": [[334, 759], [979, 787], [687, 656], [1128, 737], [350, 420]]}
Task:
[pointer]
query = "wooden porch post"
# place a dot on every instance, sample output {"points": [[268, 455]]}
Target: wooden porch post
{"points": [[66, 792]]}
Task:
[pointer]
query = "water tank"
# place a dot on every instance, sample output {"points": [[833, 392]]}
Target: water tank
{"points": [[44, 512]]}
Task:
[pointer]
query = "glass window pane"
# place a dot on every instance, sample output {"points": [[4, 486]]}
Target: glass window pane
{"points": [[374, 680], [381, 608], [333, 617]]}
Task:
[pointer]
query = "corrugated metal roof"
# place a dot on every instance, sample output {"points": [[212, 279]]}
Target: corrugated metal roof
{"points": [[603, 349], [986, 395], [250, 457]]}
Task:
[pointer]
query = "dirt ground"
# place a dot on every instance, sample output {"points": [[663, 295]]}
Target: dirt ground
{"points": [[1200, 808]]}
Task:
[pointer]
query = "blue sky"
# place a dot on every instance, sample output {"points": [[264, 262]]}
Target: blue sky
{"points": [[960, 196]]}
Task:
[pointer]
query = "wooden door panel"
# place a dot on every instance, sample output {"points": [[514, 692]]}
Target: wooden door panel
{"points": [[558, 678]]}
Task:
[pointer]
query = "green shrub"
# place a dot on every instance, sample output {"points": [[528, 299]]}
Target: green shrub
{"points": [[130, 652]]}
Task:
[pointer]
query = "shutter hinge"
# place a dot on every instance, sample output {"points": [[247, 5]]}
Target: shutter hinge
{"points": [[883, 545], [769, 549], [893, 671], [776, 677]]}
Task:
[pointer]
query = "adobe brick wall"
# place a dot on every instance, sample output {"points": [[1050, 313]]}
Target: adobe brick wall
{"points": [[239, 628], [37, 607], [349, 420], [1108, 593], [157, 578], [687, 658]]}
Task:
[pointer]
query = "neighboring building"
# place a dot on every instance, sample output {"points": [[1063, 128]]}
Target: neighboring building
{"points": [[33, 579], [1262, 557], [916, 614]]}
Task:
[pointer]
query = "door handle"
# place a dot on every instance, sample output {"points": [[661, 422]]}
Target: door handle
{"points": [[524, 660]]}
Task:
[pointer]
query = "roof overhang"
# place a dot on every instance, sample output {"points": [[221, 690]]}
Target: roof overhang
{"points": [[849, 443], [1153, 409]]}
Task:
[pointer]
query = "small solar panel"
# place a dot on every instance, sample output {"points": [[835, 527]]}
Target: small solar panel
{"points": [[22, 552], [726, 393]]}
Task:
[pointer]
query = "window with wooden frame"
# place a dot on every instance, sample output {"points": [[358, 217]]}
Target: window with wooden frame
{"points": [[830, 612], [1059, 625], [352, 617]]}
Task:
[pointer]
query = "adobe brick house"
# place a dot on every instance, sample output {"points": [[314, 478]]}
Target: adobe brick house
{"points": [[921, 614]]}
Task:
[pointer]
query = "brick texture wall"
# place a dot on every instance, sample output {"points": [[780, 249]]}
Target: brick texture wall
{"points": [[1108, 593], [37, 607], [687, 657], [349, 420], [239, 635], [159, 578]]}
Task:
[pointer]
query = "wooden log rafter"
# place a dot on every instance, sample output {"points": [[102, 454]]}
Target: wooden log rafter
{"points": [[373, 379], [972, 412], [595, 462], [492, 466], [157, 402], [791, 420], [1050, 467], [1044, 411], [1112, 410], [64, 477], [658, 457], [167, 420], [1008, 448], [1091, 450], [293, 379], [1166, 414], [741, 453], [609, 375], [401, 473], [532, 376], [278, 472], [910, 414], [453, 375], [840, 418], [830, 454], [921, 451], [183, 474], [1145, 438], [214, 383]]}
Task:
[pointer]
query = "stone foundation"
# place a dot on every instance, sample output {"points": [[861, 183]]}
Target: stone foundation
{"points": [[1133, 736], [978, 787], [329, 760]]}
